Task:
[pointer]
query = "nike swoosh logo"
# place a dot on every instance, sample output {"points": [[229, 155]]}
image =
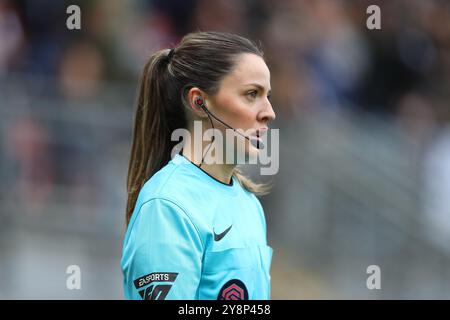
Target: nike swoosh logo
{"points": [[218, 237]]}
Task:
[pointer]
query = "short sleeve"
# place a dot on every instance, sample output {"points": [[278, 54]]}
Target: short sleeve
{"points": [[162, 256]]}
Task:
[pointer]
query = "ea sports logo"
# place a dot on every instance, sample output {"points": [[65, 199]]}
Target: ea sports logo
{"points": [[233, 290]]}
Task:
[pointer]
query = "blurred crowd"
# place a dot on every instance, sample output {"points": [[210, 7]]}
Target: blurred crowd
{"points": [[320, 53], [322, 57]]}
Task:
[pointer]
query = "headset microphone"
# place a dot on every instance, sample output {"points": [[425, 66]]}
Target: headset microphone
{"points": [[254, 141]]}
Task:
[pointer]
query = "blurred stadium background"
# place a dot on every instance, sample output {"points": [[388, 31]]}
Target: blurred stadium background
{"points": [[365, 141]]}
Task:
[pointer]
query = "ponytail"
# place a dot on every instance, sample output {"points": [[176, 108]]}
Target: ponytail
{"points": [[151, 143]]}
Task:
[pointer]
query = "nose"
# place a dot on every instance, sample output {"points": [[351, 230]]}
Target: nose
{"points": [[267, 114]]}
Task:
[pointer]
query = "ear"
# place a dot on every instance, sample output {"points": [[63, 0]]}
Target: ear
{"points": [[191, 97]]}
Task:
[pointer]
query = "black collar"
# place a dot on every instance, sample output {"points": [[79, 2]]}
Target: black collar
{"points": [[230, 184]]}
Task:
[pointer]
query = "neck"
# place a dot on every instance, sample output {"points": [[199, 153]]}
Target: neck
{"points": [[221, 172]]}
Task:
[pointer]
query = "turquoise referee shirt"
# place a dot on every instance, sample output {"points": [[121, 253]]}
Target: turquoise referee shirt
{"points": [[194, 237]]}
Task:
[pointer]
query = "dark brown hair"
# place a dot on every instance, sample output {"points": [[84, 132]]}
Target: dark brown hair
{"points": [[202, 59]]}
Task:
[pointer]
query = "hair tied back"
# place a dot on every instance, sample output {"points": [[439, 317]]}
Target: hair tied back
{"points": [[170, 55]]}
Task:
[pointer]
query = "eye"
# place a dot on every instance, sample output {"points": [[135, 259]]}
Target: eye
{"points": [[252, 93], [269, 96]]}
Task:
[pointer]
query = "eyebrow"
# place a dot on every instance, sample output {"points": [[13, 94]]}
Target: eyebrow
{"points": [[259, 87]]}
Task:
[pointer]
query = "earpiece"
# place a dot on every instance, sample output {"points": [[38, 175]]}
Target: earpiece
{"points": [[199, 102]]}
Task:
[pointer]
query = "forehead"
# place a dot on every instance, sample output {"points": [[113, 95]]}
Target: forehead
{"points": [[249, 68]]}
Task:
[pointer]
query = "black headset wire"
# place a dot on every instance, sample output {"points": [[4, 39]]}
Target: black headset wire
{"points": [[213, 137]]}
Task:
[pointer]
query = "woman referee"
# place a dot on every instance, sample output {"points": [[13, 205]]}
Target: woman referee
{"points": [[196, 230]]}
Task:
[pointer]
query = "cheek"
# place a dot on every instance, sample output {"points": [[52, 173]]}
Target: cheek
{"points": [[238, 113], [246, 118]]}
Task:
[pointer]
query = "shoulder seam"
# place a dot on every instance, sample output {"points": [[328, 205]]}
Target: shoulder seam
{"points": [[170, 176], [181, 208]]}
